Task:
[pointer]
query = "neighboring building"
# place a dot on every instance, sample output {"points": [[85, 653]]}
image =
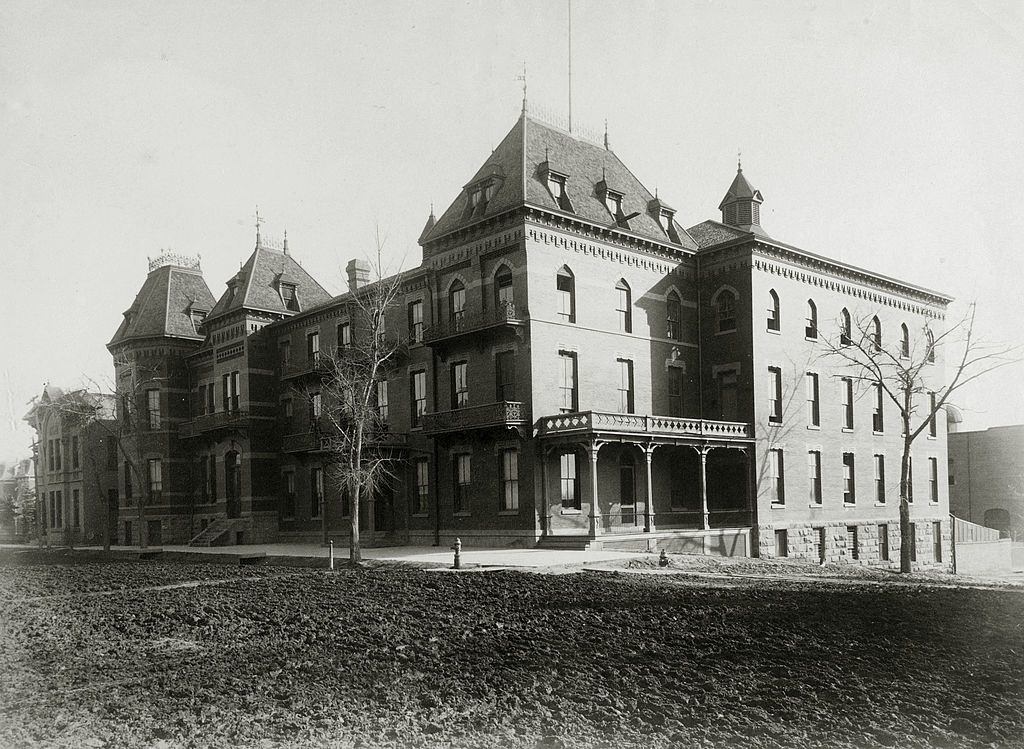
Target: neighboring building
{"points": [[986, 478], [17, 500], [580, 369], [75, 462]]}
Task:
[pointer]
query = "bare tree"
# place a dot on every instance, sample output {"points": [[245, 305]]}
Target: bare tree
{"points": [[350, 418], [904, 374]]}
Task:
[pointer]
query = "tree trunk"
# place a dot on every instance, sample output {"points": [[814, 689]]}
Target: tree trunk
{"points": [[355, 557], [905, 536], [143, 530]]}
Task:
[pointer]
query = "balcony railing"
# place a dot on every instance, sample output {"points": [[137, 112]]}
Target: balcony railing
{"points": [[500, 414], [463, 323], [213, 422], [585, 422], [319, 441]]}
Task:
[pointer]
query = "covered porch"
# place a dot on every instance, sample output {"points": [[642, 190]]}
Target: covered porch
{"points": [[622, 476]]}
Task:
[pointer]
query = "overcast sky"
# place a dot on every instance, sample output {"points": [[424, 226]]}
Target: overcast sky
{"points": [[888, 135]]}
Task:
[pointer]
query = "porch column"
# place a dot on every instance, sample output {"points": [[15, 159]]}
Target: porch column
{"points": [[595, 508], [649, 503], [704, 489], [545, 507]]}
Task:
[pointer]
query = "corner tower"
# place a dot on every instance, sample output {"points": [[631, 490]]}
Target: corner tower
{"points": [[741, 206]]}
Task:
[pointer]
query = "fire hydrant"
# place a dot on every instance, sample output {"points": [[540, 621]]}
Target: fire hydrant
{"points": [[663, 559], [457, 548]]}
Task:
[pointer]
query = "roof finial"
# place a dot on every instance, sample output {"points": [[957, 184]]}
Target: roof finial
{"points": [[258, 222], [739, 161], [606, 146], [432, 209], [285, 246], [655, 192], [523, 79], [546, 153]]}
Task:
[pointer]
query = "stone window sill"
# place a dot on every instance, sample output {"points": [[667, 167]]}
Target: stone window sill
{"points": [[508, 512], [571, 512], [463, 514], [420, 515]]}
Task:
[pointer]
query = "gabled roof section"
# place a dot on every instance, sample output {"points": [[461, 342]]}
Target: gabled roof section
{"points": [[162, 308], [257, 285], [531, 150]]}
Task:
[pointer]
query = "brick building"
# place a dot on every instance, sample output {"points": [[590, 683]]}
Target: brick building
{"points": [[986, 478], [581, 369]]}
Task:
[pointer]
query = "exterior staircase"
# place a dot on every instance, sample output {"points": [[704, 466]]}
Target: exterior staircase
{"points": [[214, 534], [574, 543]]}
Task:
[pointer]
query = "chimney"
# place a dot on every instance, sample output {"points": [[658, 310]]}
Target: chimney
{"points": [[358, 274]]}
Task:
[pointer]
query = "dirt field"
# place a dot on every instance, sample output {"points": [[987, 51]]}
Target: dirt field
{"points": [[93, 655]]}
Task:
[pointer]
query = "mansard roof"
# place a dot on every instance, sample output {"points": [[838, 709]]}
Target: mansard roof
{"points": [[162, 306], [256, 285], [518, 169]]}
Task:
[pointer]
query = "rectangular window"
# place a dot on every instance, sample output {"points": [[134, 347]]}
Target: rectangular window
{"points": [[461, 482], [418, 396], [316, 406], [313, 347], [284, 349], [566, 301], [211, 406], [316, 494], [819, 535], [460, 385], [782, 543], [510, 479], [76, 510], [880, 479], [416, 321], [568, 475], [287, 408], [76, 459], [58, 453], [382, 401], [623, 311], [849, 480], [813, 402], [127, 482], [156, 482], [852, 541], [505, 376], [50, 462], [877, 418], [344, 335], [933, 479], [153, 408], [111, 453], [775, 395], [212, 475], [883, 542], [59, 504], [289, 495], [913, 542], [936, 541], [814, 476], [777, 476], [569, 401], [625, 386], [229, 391], [422, 486], [932, 426], [676, 383], [846, 385]]}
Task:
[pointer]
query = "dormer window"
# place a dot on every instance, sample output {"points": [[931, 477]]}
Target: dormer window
{"points": [[613, 202], [289, 297], [665, 219], [556, 182], [196, 316]]}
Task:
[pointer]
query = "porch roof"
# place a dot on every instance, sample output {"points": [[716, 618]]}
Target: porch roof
{"points": [[643, 428]]}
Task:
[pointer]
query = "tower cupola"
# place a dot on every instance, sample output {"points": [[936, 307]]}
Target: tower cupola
{"points": [[741, 206]]}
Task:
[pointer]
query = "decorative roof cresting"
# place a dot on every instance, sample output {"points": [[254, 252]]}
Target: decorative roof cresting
{"points": [[169, 257]]}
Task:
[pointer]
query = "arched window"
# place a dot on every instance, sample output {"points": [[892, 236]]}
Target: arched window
{"points": [[566, 285], [625, 306], [456, 303], [904, 341], [931, 345], [674, 315], [845, 328], [811, 329], [876, 334], [726, 311], [503, 290], [773, 310]]}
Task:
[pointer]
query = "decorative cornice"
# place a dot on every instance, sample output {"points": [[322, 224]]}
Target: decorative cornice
{"points": [[628, 257]]}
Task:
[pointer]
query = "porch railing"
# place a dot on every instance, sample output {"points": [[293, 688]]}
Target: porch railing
{"points": [[670, 426]]}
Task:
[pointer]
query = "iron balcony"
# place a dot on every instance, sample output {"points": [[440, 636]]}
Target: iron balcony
{"points": [[508, 414], [507, 316]]}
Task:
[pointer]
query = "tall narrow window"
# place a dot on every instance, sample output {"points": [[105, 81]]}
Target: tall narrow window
{"points": [[846, 387], [674, 316], [313, 347], [503, 294], [505, 376], [913, 542], [211, 405], [568, 475], [814, 476], [933, 479], [76, 458], [625, 386], [382, 401], [845, 328], [50, 460], [876, 334], [878, 416], [930, 339], [568, 392], [777, 476], [316, 494], [624, 308], [127, 482], [316, 406], [153, 408], [457, 304], [566, 286], [289, 495], [774, 395], [811, 328], [510, 479], [937, 541], [418, 396], [156, 482], [773, 311], [344, 335], [813, 402], [422, 502], [676, 383], [461, 482], [904, 342], [58, 452], [212, 476], [883, 542], [284, 351], [460, 385], [781, 542], [416, 321], [852, 541], [627, 489], [76, 510], [880, 479], [726, 309], [849, 480], [932, 426]]}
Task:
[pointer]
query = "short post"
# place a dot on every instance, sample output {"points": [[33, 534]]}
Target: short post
{"points": [[663, 559], [457, 548], [331, 552]]}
